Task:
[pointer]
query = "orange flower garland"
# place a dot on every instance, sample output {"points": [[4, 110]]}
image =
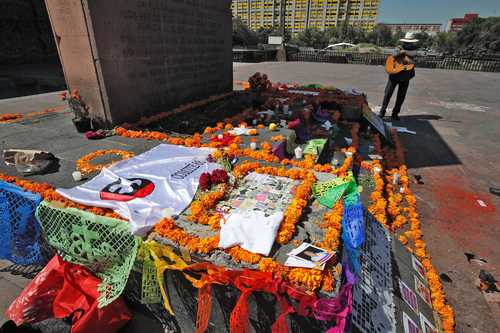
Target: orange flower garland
{"points": [[85, 166], [332, 223], [47, 192], [379, 204], [378, 209], [444, 310], [167, 228], [8, 117], [308, 278], [299, 202], [206, 202], [265, 154]]}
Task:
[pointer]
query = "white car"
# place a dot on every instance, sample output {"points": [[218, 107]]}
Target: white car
{"points": [[338, 46]]}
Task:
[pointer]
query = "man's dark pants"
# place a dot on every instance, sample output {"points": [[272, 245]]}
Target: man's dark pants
{"points": [[389, 90]]}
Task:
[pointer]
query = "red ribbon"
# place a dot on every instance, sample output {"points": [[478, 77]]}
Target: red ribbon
{"points": [[248, 281]]}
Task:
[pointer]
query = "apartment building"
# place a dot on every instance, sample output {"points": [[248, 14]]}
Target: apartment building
{"points": [[302, 14]]}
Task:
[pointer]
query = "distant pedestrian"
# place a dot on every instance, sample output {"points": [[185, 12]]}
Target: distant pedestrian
{"points": [[401, 70]]}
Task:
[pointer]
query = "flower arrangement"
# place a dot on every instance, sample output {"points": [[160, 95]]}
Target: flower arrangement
{"points": [[205, 182], [85, 166]]}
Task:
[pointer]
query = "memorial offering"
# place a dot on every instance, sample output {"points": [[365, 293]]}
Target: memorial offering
{"points": [[235, 227]]}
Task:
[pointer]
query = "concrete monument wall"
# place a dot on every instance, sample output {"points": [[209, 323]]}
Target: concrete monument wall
{"points": [[134, 58]]}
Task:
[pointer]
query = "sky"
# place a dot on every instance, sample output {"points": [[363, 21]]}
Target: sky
{"points": [[434, 11]]}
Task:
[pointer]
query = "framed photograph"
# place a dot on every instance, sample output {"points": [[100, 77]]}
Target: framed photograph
{"points": [[417, 266], [409, 325], [309, 252], [426, 325], [423, 291], [409, 296]]}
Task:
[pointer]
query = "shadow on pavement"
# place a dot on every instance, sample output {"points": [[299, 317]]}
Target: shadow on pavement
{"points": [[427, 148]]}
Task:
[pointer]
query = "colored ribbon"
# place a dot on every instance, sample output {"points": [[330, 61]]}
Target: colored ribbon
{"points": [[248, 281]]}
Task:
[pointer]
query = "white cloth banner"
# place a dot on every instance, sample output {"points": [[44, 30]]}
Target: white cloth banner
{"points": [[158, 183]]}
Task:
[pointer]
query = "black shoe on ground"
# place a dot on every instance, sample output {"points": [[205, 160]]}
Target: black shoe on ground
{"points": [[395, 117], [495, 190]]}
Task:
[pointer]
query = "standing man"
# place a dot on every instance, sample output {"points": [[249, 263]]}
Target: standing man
{"points": [[403, 56]]}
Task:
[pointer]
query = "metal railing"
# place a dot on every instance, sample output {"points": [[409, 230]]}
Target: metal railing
{"points": [[482, 64], [488, 64], [253, 55]]}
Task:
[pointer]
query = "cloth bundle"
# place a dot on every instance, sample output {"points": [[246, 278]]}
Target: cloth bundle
{"points": [[63, 290]]}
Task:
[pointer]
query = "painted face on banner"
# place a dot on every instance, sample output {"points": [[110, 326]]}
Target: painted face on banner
{"points": [[127, 189]]}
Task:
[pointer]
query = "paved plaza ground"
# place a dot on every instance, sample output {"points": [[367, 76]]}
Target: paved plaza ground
{"points": [[456, 115]]}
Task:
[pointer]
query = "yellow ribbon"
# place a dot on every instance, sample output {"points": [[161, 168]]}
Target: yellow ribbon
{"points": [[160, 253]]}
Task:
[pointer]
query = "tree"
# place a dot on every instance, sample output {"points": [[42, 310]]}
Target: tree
{"points": [[445, 42], [425, 41], [381, 35], [481, 36], [332, 34], [288, 34], [312, 37], [396, 37], [264, 33], [351, 34], [242, 34]]}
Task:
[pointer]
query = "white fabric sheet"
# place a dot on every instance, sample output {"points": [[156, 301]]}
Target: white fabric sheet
{"points": [[251, 230], [158, 183]]}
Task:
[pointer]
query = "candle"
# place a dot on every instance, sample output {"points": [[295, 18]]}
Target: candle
{"points": [[253, 145], [298, 153], [77, 176], [395, 179], [220, 136]]}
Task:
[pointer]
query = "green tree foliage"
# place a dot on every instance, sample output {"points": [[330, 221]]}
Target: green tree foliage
{"points": [[264, 33], [481, 36], [312, 37], [445, 42], [242, 34], [381, 36], [396, 37], [425, 40]]}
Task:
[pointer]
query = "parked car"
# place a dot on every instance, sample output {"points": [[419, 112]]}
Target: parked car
{"points": [[338, 46]]}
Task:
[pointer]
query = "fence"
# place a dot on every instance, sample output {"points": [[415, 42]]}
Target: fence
{"points": [[483, 64], [441, 62], [243, 55]]}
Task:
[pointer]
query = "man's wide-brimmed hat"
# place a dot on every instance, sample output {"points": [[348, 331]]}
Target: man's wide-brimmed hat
{"points": [[409, 38]]}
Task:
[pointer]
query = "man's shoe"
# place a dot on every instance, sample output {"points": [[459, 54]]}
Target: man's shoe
{"points": [[395, 117], [495, 190]]}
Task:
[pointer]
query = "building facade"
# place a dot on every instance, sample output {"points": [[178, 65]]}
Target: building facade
{"points": [[430, 28], [457, 24], [301, 14]]}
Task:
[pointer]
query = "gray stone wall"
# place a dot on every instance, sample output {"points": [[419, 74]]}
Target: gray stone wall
{"points": [[148, 56]]}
